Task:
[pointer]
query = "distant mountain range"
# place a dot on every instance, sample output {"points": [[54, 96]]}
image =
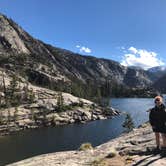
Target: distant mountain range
{"points": [[156, 73], [60, 69], [159, 73], [157, 69]]}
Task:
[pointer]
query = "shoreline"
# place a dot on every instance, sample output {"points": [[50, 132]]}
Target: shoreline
{"points": [[52, 119], [128, 149]]}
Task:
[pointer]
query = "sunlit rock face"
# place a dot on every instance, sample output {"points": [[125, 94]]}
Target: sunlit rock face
{"points": [[9, 37]]}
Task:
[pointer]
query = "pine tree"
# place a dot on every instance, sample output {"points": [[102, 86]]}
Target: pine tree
{"points": [[128, 123], [11, 91], [81, 103], [1, 117], [15, 114], [60, 102], [98, 96], [31, 96], [4, 88]]}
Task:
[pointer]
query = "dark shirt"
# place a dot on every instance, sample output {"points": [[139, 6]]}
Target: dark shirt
{"points": [[157, 116]]}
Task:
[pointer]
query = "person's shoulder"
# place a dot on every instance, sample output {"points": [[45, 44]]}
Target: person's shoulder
{"points": [[151, 109], [163, 106]]}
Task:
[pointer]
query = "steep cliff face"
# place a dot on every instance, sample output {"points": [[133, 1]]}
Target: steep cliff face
{"points": [[39, 61], [9, 38]]}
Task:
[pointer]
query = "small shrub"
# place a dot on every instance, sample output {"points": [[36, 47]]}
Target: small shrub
{"points": [[63, 108], [86, 146], [60, 103], [129, 159], [112, 153], [15, 114], [1, 117], [93, 106], [97, 162], [81, 103], [33, 115], [68, 107], [74, 104]]}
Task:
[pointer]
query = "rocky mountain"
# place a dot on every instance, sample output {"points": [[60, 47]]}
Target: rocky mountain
{"points": [[155, 73], [44, 64], [158, 76], [157, 69], [160, 84]]}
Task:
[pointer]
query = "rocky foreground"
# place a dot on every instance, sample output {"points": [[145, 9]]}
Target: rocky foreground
{"points": [[134, 148]]}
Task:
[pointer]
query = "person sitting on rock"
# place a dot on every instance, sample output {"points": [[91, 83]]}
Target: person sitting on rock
{"points": [[157, 118]]}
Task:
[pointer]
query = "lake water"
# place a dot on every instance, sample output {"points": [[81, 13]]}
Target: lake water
{"points": [[69, 137]]}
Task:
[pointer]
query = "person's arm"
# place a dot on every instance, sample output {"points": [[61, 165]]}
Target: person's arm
{"points": [[165, 116], [151, 119]]}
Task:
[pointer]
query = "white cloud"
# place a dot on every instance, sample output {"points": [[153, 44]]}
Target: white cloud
{"points": [[84, 49], [142, 58], [133, 50]]}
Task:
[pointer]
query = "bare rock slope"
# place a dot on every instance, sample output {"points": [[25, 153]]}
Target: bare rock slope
{"points": [[29, 106]]}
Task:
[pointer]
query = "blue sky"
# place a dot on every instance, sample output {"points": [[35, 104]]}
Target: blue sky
{"points": [[132, 32]]}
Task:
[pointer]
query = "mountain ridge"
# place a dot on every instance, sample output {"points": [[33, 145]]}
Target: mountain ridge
{"points": [[42, 61]]}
